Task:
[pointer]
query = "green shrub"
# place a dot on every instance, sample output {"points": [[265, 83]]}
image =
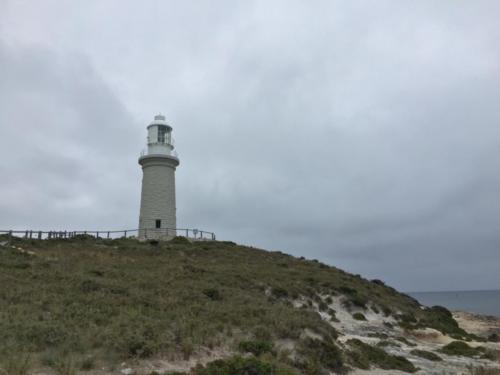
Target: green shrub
{"points": [[494, 337], [385, 343], [460, 348], [89, 286], [363, 355], [440, 318], [358, 316], [347, 290], [179, 240], [137, 345], [322, 306], [255, 347], [406, 318], [358, 300], [279, 292], [491, 354], [426, 354], [262, 333], [386, 310], [82, 237], [87, 363], [379, 335], [405, 341], [213, 294], [321, 353]]}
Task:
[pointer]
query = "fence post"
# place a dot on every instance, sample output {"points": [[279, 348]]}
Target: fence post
{"points": [[10, 237], [108, 235], [40, 235], [97, 235], [125, 234], [187, 233]]}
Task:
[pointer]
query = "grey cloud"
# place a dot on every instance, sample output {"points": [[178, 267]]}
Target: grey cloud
{"points": [[363, 135]]}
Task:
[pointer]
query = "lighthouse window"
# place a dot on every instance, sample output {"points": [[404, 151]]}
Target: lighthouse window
{"points": [[158, 223], [162, 131]]}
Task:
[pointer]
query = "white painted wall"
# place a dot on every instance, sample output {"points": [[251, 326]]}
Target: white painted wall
{"points": [[158, 193]]}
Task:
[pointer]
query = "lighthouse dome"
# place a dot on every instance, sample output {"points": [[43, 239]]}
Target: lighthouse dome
{"points": [[159, 119]]}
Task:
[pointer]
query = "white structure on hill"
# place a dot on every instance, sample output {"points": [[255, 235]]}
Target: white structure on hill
{"points": [[158, 163]]}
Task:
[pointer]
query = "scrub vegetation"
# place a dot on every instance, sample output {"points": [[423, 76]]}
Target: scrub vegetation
{"points": [[73, 304]]}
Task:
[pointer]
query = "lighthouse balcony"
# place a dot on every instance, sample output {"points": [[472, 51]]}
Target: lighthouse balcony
{"points": [[159, 151]]}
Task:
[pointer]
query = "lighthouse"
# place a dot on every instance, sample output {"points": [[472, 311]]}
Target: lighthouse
{"points": [[157, 218]]}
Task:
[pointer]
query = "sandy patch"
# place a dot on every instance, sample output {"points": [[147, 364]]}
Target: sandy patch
{"points": [[482, 325]]}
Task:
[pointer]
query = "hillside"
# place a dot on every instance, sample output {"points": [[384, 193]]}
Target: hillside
{"points": [[124, 306]]}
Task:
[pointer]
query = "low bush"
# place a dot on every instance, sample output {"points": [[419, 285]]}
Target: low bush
{"points": [[137, 345], [87, 364], [426, 354], [279, 292], [320, 354], [385, 343], [440, 318], [358, 300], [255, 347], [322, 306], [405, 341], [347, 290], [179, 240], [460, 348], [358, 316], [491, 354], [364, 355], [494, 337], [213, 294]]}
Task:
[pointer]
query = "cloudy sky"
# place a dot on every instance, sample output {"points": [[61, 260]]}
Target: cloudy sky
{"points": [[365, 134]]}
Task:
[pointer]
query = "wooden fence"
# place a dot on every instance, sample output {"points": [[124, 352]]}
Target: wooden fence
{"points": [[144, 233]]}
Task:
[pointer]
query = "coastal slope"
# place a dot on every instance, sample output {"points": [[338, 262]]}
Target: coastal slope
{"points": [[122, 306]]}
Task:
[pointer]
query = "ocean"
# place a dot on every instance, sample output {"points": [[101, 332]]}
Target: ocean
{"points": [[482, 301]]}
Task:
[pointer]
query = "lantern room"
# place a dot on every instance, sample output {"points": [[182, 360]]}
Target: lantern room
{"points": [[160, 139]]}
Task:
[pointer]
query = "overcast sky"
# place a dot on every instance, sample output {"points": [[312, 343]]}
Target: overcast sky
{"points": [[365, 134]]}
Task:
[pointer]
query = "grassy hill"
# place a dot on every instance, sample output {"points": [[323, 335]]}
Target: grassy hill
{"points": [[85, 304]]}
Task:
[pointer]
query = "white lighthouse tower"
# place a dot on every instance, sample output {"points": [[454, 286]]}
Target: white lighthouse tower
{"points": [[158, 217]]}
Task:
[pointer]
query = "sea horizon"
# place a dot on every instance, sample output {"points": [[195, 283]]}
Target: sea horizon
{"points": [[485, 302], [454, 290]]}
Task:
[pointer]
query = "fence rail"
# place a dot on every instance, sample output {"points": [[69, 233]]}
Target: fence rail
{"points": [[143, 233]]}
